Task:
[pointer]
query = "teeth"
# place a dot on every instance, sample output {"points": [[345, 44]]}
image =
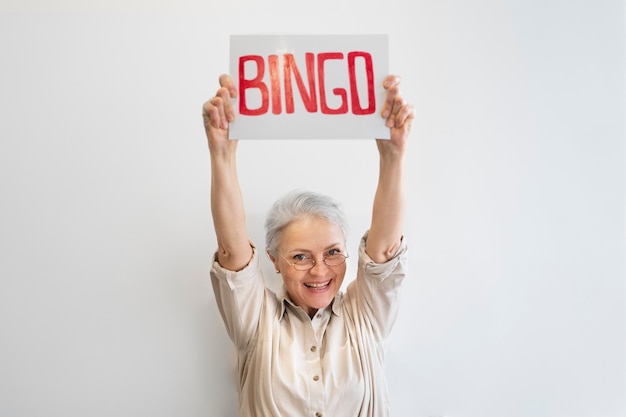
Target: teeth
{"points": [[317, 285]]}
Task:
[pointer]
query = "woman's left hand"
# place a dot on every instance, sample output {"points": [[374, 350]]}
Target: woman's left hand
{"points": [[398, 115]]}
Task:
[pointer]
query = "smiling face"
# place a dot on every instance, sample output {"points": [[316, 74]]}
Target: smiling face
{"points": [[313, 237]]}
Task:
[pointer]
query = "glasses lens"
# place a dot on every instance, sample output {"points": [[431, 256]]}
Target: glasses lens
{"points": [[334, 260], [304, 265]]}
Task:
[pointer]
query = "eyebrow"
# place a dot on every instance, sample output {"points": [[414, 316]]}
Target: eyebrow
{"points": [[297, 250]]}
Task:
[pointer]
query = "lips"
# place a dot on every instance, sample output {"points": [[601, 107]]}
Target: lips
{"points": [[317, 285]]}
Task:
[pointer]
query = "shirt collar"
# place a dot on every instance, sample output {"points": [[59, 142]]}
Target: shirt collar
{"points": [[284, 300]]}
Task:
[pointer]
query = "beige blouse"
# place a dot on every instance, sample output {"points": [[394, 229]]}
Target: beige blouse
{"points": [[293, 366]]}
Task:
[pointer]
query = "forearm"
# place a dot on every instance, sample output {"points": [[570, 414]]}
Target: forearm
{"points": [[385, 232], [227, 208], [388, 210]]}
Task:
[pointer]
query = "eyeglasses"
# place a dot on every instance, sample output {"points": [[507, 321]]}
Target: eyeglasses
{"points": [[304, 262]]}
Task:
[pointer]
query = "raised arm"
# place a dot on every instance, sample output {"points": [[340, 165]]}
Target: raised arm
{"points": [[229, 220], [389, 201]]}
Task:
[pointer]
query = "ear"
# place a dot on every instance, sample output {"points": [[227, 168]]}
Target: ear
{"points": [[274, 260]]}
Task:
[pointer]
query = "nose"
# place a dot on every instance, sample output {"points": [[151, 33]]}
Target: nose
{"points": [[319, 268]]}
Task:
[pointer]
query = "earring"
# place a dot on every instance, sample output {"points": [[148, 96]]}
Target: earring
{"points": [[277, 271]]}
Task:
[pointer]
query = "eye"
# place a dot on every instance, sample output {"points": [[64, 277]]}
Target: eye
{"points": [[333, 252], [300, 257]]}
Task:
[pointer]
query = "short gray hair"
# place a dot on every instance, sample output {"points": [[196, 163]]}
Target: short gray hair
{"points": [[299, 204]]}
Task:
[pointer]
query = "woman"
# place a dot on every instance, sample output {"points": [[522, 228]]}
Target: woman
{"points": [[310, 350]]}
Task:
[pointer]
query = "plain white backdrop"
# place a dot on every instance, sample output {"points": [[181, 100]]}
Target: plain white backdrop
{"points": [[516, 301]]}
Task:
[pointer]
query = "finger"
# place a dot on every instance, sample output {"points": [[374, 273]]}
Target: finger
{"points": [[391, 80], [227, 92], [220, 103], [225, 105], [227, 82], [393, 92], [213, 110], [210, 115], [394, 108], [405, 116]]}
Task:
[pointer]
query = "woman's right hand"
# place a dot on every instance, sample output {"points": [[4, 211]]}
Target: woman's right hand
{"points": [[218, 112]]}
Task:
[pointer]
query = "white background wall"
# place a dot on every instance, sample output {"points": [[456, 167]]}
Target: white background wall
{"points": [[516, 303]]}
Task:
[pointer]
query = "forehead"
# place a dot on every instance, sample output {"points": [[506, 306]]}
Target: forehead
{"points": [[310, 233]]}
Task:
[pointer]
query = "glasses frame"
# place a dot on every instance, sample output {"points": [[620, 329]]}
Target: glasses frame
{"points": [[299, 267]]}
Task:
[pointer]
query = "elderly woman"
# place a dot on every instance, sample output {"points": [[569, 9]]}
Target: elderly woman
{"points": [[309, 350]]}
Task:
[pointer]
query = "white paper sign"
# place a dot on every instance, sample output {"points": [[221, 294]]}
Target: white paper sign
{"points": [[309, 86]]}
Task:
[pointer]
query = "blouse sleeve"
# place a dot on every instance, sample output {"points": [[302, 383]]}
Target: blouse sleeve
{"points": [[239, 296], [377, 289]]}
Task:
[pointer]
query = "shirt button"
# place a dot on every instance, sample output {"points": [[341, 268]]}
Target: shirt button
{"points": [[316, 378], [318, 414], [313, 348], [319, 316]]}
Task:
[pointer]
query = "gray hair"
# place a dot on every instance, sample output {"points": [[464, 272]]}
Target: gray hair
{"points": [[299, 204]]}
